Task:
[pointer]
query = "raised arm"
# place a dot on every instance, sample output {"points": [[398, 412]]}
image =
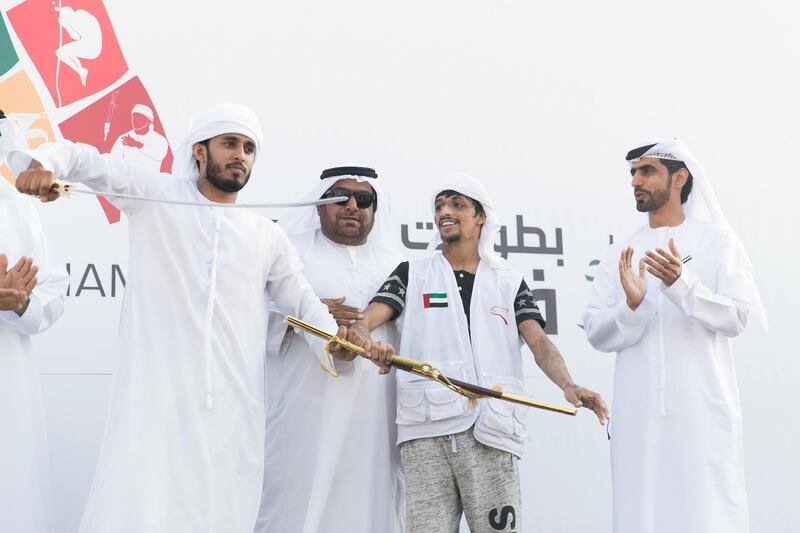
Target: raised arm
{"points": [[293, 295], [549, 359], [75, 162], [617, 312], [45, 286], [375, 315], [723, 308]]}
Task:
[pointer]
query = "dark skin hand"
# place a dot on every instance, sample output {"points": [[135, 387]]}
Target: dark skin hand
{"points": [[376, 351], [37, 181], [345, 315]]}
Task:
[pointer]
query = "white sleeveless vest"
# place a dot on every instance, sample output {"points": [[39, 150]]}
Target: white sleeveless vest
{"points": [[434, 328]]}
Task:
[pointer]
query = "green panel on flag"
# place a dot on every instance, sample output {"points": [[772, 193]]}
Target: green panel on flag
{"points": [[8, 56]]}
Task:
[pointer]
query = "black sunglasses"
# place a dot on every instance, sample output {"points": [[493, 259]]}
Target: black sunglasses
{"points": [[363, 199]]}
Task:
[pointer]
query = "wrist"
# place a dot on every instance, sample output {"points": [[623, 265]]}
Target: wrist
{"points": [[343, 354], [21, 311], [361, 327], [676, 278]]}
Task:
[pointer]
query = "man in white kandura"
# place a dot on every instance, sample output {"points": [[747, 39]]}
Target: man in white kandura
{"points": [[668, 301], [142, 145], [329, 439], [184, 445], [31, 300]]}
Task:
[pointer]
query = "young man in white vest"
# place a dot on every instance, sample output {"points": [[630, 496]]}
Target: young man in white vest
{"points": [[465, 310]]}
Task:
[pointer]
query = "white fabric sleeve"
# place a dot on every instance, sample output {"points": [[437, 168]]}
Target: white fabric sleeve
{"points": [[725, 308], [291, 292], [82, 163], [610, 325], [47, 298]]}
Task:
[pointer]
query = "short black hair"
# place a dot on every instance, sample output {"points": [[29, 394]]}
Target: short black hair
{"points": [[672, 167], [204, 143], [449, 193], [2, 115]]}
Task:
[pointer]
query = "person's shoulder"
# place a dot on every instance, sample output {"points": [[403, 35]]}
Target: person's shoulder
{"points": [[713, 235], [386, 255], [710, 228], [265, 224]]}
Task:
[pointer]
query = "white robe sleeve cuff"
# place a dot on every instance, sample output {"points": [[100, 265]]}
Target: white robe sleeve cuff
{"points": [[638, 318], [681, 288], [30, 321], [346, 368], [20, 160]]}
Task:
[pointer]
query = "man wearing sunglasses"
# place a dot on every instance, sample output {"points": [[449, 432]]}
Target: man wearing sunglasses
{"points": [[330, 439]]}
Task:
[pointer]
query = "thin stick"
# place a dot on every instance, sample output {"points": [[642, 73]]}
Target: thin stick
{"points": [[67, 189]]}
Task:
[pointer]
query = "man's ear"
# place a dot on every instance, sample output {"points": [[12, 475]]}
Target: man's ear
{"points": [[482, 219], [679, 178], [199, 152]]}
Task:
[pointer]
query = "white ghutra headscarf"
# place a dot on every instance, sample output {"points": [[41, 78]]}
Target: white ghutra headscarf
{"points": [[472, 188], [306, 219], [216, 120]]}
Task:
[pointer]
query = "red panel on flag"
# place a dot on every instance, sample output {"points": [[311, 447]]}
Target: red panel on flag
{"points": [[73, 46], [123, 123]]}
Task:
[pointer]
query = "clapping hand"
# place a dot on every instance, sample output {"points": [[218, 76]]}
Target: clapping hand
{"points": [[635, 287], [16, 284], [666, 266]]}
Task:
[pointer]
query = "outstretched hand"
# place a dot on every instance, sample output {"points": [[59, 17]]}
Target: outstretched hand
{"points": [[381, 354], [130, 141], [16, 284], [635, 287], [345, 315], [666, 266], [583, 397], [378, 352]]}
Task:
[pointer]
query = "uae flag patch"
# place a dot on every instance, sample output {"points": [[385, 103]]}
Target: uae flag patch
{"points": [[434, 299]]}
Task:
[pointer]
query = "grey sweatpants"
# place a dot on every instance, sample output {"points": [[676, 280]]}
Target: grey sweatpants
{"points": [[448, 475]]}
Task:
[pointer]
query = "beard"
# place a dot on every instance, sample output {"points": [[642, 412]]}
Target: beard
{"points": [[656, 199], [214, 175], [451, 238]]}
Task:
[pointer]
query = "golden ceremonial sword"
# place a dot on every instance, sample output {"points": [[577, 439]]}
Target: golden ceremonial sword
{"points": [[427, 370]]}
